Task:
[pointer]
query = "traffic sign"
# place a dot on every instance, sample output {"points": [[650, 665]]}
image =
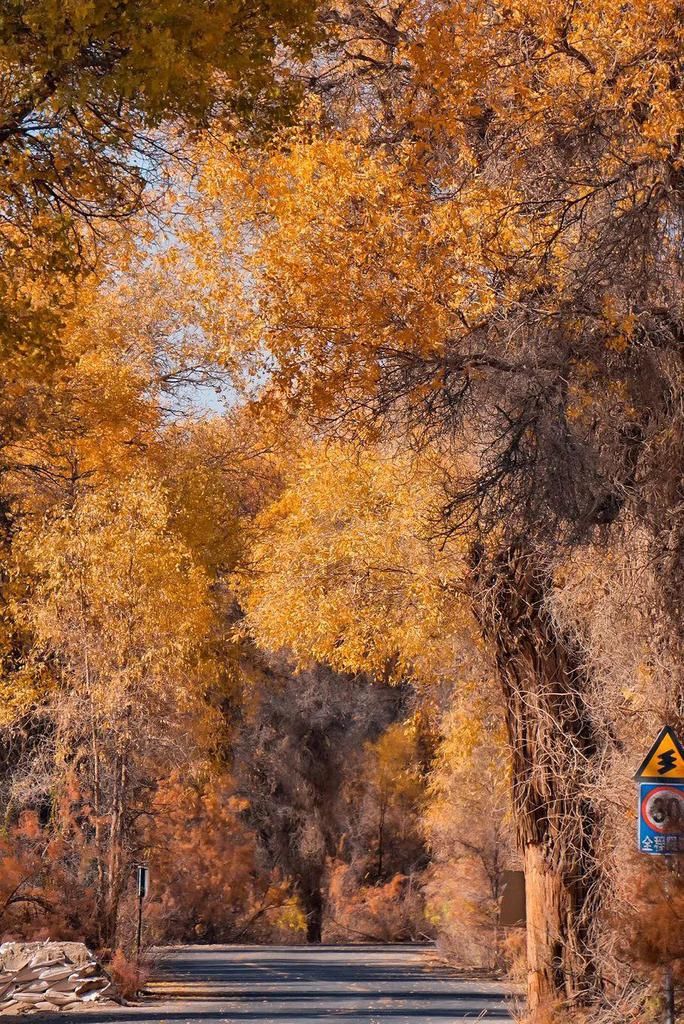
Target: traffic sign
{"points": [[661, 817], [665, 759], [143, 878]]}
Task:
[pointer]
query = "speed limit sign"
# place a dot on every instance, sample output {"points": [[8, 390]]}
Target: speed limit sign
{"points": [[661, 817]]}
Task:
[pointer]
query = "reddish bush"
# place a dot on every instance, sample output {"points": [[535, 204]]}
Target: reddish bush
{"points": [[394, 912], [207, 885], [129, 976], [42, 890]]}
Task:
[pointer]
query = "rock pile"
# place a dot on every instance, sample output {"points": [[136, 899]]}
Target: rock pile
{"points": [[50, 976]]}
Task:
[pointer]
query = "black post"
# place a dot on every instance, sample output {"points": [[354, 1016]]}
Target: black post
{"points": [[143, 878], [671, 874], [669, 996], [138, 942]]}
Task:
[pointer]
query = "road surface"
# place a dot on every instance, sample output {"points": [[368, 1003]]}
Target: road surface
{"points": [[309, 985]]}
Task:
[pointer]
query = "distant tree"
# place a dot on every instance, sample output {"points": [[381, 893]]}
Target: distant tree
{"points": [[299, 744], [389, 795], [468, 823], [343, 566]]}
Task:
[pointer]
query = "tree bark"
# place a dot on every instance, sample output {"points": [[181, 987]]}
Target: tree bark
{"points": [[381, 835], [116, 872], [544, 680], [313, 907]]}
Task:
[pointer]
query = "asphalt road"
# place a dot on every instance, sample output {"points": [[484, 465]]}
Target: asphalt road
{"points": [[309, 985]]}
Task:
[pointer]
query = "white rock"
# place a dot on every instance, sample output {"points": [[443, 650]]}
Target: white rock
{"points": [[36, 986], [57, 973], [26, 974], [29, 997]]}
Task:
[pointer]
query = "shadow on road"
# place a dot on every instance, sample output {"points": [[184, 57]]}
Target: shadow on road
{"points": [[300, 984], [256, 1016]]}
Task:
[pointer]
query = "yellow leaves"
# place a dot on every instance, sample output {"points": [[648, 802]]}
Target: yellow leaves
{"points": [[290, 915], [85, 86], [339, 256], [166, 59], [620, 323], [116, 594], [332, 252], [617, 343], [343, 569], [395, 765], [19, 693]]}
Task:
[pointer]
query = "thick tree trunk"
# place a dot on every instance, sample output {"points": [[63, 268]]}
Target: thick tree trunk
{"points": [[553, 748], [313, 908]]}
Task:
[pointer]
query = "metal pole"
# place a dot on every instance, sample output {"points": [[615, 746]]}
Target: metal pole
{"points": [[668, 981], [138, 942], [669, 996]]}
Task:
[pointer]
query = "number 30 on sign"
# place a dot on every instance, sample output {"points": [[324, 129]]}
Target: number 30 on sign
{"points": [[661, 817]]}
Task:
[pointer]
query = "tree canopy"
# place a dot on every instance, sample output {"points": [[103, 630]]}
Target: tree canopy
{"points": [[340, 474]]}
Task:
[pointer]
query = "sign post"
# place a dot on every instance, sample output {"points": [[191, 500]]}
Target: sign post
{"points": [[660, 781], [143, 883]]}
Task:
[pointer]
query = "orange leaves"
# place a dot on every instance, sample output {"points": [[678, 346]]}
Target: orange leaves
{"points": [[340, 258], [522, 135], [212, 886]]}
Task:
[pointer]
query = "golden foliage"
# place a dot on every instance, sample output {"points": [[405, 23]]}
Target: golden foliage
{"points": [[502, 200], [343, 569]]}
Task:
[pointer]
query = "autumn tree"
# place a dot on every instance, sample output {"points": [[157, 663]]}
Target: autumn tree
{"points": [[395, 791], [490, 250], [123, 611], [98, 101], [299, 742], [86, 90], [116, 546]]}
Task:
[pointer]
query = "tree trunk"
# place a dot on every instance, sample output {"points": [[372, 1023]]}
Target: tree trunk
{"points": [[116, 838], [381, 835], [97, 807], [553, 748], [312, 898]]}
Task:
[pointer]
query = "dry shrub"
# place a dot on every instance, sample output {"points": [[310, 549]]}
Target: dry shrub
{"points": [[207, 884], [129, 976], [632, 1006], [650, 928], [393, 912], [555, 1013], [461, 907], [44, 892], [514, 954]]}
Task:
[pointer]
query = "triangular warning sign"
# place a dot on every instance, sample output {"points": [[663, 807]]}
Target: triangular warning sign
{"points": [[665, 759]]}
